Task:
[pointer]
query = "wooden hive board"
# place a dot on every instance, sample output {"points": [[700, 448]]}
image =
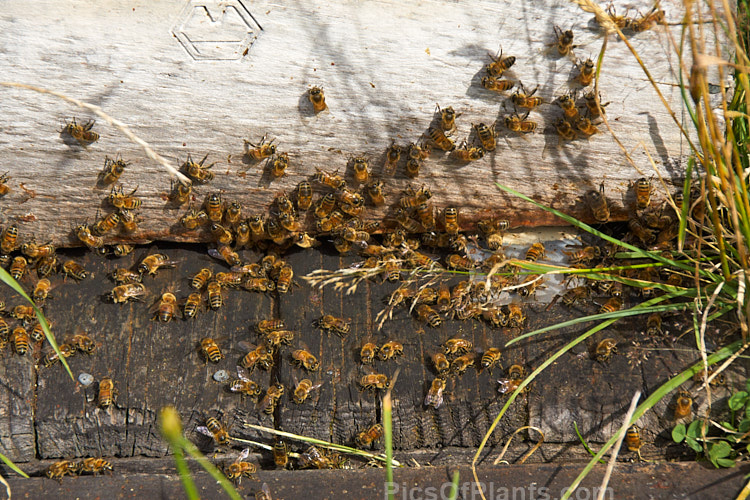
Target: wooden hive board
{"points": [[201, 77]]}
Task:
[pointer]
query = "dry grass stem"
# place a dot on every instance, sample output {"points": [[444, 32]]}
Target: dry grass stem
{"points": [[528, 453], [618, 443]]}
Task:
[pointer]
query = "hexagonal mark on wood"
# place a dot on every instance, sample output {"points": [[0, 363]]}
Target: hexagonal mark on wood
{"points": [[216, 30]]}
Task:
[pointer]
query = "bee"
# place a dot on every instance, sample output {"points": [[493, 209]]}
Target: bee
{"points": [[367, 437], [434, 396], [647, 22], [594, 105], [81, 133], [260, 151], [23, 313], [60, 469], [524, 100], [152, 263], [239, 468], [166, 308], [278, 337], [374, 381], [461, 363], [225, 253], [647, 274], [367, 353], [95, 466], [516, 376], [201, 278], [107, 393], [465, 153], [375, 191], [83, 343], [303, 388], [455, 261], [653, 324], [47, 265], [259, 285], [128, 291], [83, 232], [36, 334], [41, 291], [325, 206], [412, 168], [490, 358], [20, 340], [304, 195], [499, 64], [348, 197], [8, 239], [317, 98], [51, 357], [74, 270], [180, 193], [564, 42], [233, 214], [568, 104], [585, 126], [642, 193], [720, 379], [486, 136], [106, 224], [118, 199], [113, 169], [333, 180], [288, 223], [129, 221], [620, 21], [209, 350], [496, 84], [457, 346], [244, 385], [390, 350], [196, 171], [264, 493], [409, 224], [574, 295], [604, 350], [215, 298], [279, 165], [583, 255], [193, 219], [216, 430], [520, 124], [262, 356], [314, 458], [333, 324], [428, 315], [633, 440], [361, 169], [266, 326], [684, 405], [242, 234], [565, 130], [122, 250], [440, 362], [280, 455], [221, 235], [535, 252], [612, 305], [450, 220], [271, 399], [34, 251], [495, 316], [419, 152], [214, 207], [447, 118], [304, 359], [392, 155], [190, 309], [438, 137], [18, 267], [597, 203], [460, 291], [516, 316], [4, 188]]}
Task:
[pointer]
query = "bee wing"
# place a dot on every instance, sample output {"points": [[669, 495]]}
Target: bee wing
{"points": [[242, 374], [215, 254], [243, 455], [246, 345], [266, 489], [296, 382], [316, 386], [204, 430]]}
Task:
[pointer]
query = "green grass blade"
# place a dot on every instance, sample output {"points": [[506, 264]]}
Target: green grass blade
{"points": [[187, 480], [584, 443], [13, 466], [685, 201], [453, 493], [193, 451], [8, 280], [388, 431]]}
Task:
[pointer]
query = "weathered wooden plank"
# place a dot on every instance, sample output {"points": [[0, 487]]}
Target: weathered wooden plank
{"points": [[17, 438], [167, 70]]}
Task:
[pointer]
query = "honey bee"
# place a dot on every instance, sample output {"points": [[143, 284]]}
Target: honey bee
{"points": [[447, 118], [434, 396], [516, 376], [375, 191], [329, 323], [409, 224], [128, 291], [516, 316], [244, 385], [192, 303], [325, 206], [47, 265], [23, 313], [633, 440], [583, 255], [303, 388], [367, 353], [280, 455], [259, 285], [496, 84], [719, 380], [428, 315], [215, 298], [333, 180], [4, 188], [450, 220], [242, 235], [36, 334], [264, 493], [530, 284], [83, 343], [361, 169], [152, 263], [565, 130], [278, 337], [490, 358], [266, 326], [60, 469], [574, 295], [647, 22], [239, 468], [51, 357], [524, 100], [41, 291], [193, 219], [83, 232], [34, 251], [499, 64], [604, 350], [118, 199], [166, 308], [465, 153], [314, 458], [684, 405], [620, 21], [129, 221], [214, 207], [20, 340], [419, 152], [412, 168], [81, 133], [653, 324], [225, 253], [371, 435], [564, 42], [288, 223], [568, 104], [18, 267], [95, 466], [612, 305], [279, 165], [196, 171], [201, 278], [221, 235], [304, 195], [271, 399], [585, 126], [209, 350], [107, 393], [262, 356], [216, 430], [233, 213], [180, 193], [520, 124], [8, 239], [642, 193], [486, 136], [260, 151], [304, 359], [585, 72], [457, 346], [390, 350], [438, 137], [374, 381], [597, 203], [455, 261], [106, 224], [317, 98], [392, 155], [594, 105], [461, 363], [122, 250], [640, 231], [74, 270]]}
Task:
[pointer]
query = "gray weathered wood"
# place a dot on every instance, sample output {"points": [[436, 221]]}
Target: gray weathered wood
{"points": [[383, 66]]}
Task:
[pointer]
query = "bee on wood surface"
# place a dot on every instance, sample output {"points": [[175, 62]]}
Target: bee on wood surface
{"points": [[583, 255], [565, 130], [264, 493], [461, 363], [60, 469], [271, 399], [84, 234], [225, 253], [260, 151], [330, 323], [221, 235], [564, 42], [18, 267], [20, 340], [516, 316], [267, 326], [450, 220], [166, 308], [348, 197], [640, 231], [585, 72], [457, 346], [520, 124], [412, 168], [467, 154], [81, 133], [216, 430], [719, 380], [443, 300], [612, 305], [325, 206], [499, 64], [74, 270], [577, 294], [392, 156], [535, 252], [597, 203], [34, 251], [95, 466], [36, 334], [427, 314], [302, 358], [129, 221], [333, 180], [214, 207], [390, 350], [317, 98], [361, 169], [106, 224], [419, 152], [239, 468], [180, 193], [83, 343], [516, 376], [604, 350], [118, 199], [201, 278], [370, 435], [262, 356], [646, 22], [496, 84], [279, 165], [23, 313], [280, 454], [47, 265], [620, 21], [438, 137], [313, 457], [123, 276], [52, 357], [633, 440], [107, 393], [585, 126], [209, 350], [233, 214], [126, 292], [215, 297], [113, 169], [374, 381], [277, 337], [375, 191], [440, 362], [490, 358], [258, 285], [568, 104], [122, 250], [367, 353], [594, 105], [242, 234], [524, 100], [303, 388], [197, 171], [8, 239], [530, 284], [653, 324], [193, 219], [486, 136], [152, 263], [434, 396], [447, 118], [304, 195], [684, 405], [192, 303], [409, 224], [455, 261]]}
